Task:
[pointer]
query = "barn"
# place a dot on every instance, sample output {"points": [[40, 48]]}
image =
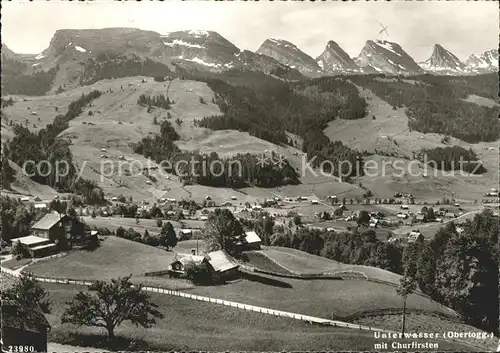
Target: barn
{"points": [[222, 265]]}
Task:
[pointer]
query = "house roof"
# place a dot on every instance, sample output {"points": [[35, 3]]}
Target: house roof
{"points": [[47, 222], [190, 258], [44, 246], [16, 316], [252, 237], [30, 240], [220, 261], [414, 236]]}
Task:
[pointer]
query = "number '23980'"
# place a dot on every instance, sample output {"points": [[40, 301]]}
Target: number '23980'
{"points": [[20, 349]]}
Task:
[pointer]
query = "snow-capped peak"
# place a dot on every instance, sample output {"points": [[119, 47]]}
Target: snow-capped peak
{"points": [[335, 59], [443, 61], [388, 46], [288, 54], [387, 57], [486, 61], [183, 43], [198, 33]]}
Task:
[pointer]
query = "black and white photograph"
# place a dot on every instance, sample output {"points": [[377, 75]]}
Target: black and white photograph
{"points": [[258, 176]]}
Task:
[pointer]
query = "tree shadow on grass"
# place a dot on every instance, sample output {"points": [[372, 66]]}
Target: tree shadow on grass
{"points": [[119, 343], [265, 280]]}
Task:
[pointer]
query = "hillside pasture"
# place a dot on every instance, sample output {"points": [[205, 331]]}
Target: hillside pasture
{"points": [[389, 179], [23, 185], [321, 298], [115, 257], [301, 262], [115, 222], [262, 262], [388, 133], [486, 102], [185, 246], [41, 110]]}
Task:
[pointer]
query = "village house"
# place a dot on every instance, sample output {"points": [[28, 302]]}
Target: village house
{"points": [[414, 236], [450, 215], [420, 217], [220, 264], [178, 267], [373, 223], [23, 327], [54, 226], [51, 226], [40, 206], [251, 242]]}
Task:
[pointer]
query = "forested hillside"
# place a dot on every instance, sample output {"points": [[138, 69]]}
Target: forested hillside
{"points": [[452, 158], [458, 269], [434, 104], [107, 66], [194, 168], [16, 82], [303, 108], [45, 146]]}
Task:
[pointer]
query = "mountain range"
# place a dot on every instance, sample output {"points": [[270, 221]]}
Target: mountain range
{"points": [[72, 50]]}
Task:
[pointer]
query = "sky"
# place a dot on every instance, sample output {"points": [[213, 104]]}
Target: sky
{"points": [[459, 26]]}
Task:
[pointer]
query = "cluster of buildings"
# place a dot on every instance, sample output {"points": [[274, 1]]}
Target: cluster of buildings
{"points": [[220, 264], [49, 231]]}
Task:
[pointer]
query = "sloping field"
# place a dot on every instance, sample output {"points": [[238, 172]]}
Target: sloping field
{"points": [[303, 263], [389, 133], [41, 110], [426, 323], [115, 222], [398, 175], [116, 121], [321, 298], [115, 257], [207, 326], [185, 246], [486, 102], [25, 186], [262, 262]]}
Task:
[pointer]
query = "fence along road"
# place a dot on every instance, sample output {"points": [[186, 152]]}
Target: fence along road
{"points": [[310, 319]]}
